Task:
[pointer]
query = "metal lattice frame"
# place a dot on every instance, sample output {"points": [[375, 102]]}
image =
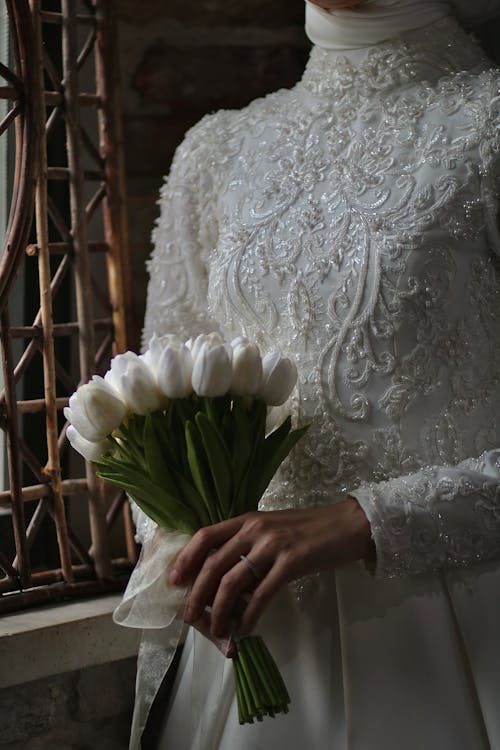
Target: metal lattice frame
{"points": [[65, 257]]}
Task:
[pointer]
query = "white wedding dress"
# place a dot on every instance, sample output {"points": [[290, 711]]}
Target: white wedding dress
{"points": [[352, 223]]}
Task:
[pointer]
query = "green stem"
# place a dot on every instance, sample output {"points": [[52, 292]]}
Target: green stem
{"points": [[246, 718], [252, 678], [265, 672]]}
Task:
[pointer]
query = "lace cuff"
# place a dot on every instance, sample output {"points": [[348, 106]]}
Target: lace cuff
{"points": [[435, 518]]}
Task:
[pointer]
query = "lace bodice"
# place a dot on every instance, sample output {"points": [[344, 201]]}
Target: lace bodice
{"points": [[352, 222]]}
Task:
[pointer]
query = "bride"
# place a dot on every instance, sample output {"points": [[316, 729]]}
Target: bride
{"points": [[351, 222]]}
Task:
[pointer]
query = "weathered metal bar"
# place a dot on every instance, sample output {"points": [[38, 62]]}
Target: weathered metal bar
{"points": [[35, 523], [36, 406], [51, 69], [115, 508], [37, 491], [16, 500], [11, 77], [9, 118], [84, 304], [33, 347], [103, 352], [94, 202], [8, 568], [8, 92], [55, 98], [21, 210], [87, 48], [57, 18], [58, 220], [58, 592], [53, 468], [114, 209], [63, 173], [31, 460], [85, 99], [92, 151], [62, 248], [60, 329]]}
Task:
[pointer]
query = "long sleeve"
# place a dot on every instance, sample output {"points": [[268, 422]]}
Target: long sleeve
{"points": [[185, 232], [436, 517]]}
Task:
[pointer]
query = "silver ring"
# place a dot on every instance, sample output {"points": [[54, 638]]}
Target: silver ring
{"points": [[251, 567]]}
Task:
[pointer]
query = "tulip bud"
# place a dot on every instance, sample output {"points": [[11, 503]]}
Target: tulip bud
{"points": [[247, 368], [95, 409], [279, 376], [194, 345], [174, 370], [91, 451], [156, 346], [212, 370], [135, 382]]}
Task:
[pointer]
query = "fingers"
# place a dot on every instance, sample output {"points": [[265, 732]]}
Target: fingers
{"points": [[191, 558], [220, 569], [225, 645], [231, 595], [260, 597]]}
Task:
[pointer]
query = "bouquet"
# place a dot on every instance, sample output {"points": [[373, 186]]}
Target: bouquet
{"points": [[182, 428]]}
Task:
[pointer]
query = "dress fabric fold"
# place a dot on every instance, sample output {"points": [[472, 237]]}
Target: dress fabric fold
{"points": [[352, 223]]}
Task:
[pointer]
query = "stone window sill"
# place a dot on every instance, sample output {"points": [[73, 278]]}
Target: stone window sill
{"points": [[61, 638]]}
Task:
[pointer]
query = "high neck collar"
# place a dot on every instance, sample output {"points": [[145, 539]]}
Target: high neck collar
{"points": [[425, 54], [375, 22]]}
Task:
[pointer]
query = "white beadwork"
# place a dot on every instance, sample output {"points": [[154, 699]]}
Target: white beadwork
{"points": [[352, 222]]}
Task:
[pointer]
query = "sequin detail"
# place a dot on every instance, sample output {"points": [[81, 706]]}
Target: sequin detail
{"points": [[352, 222]]}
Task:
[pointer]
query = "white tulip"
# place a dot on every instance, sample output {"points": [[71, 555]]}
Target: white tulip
{"points": [[90, 450], [194, 345], [212, 369], [135, 382], [174, 370], [95, 409], [247, 367], [156, 346], [279, 376]]}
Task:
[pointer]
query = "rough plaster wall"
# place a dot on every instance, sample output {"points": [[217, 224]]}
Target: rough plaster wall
{"points": [[181, 59], [89, 709]]}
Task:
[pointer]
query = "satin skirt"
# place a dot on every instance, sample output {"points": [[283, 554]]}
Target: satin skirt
{"points": [[401, 664]]}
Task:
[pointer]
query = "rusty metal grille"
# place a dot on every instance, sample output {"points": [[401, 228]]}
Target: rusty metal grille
{"points": [[67, 228]]}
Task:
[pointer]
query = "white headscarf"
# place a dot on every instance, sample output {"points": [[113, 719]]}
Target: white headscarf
{"points": [[378, 20]]}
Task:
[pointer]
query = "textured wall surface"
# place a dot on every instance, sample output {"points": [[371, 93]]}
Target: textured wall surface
{"points": [[181, 59], [89, 709]]}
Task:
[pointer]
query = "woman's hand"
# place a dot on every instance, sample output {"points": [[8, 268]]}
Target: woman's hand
{"points": [[281, 547]]}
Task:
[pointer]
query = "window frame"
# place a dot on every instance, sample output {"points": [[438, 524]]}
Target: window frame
{"points": [[42, 95]]}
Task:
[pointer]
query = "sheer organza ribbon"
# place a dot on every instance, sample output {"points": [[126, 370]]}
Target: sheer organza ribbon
{"points": [[153, 606]]}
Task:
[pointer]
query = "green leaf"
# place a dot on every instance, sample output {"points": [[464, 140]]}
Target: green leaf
{"points": [[161, 501], [157, 464], [199, 469], [243, 441], [276, 448], [218, 461]]}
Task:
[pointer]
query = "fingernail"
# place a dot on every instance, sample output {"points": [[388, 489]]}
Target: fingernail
{"points": [[174, 578], [189, 615]]}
